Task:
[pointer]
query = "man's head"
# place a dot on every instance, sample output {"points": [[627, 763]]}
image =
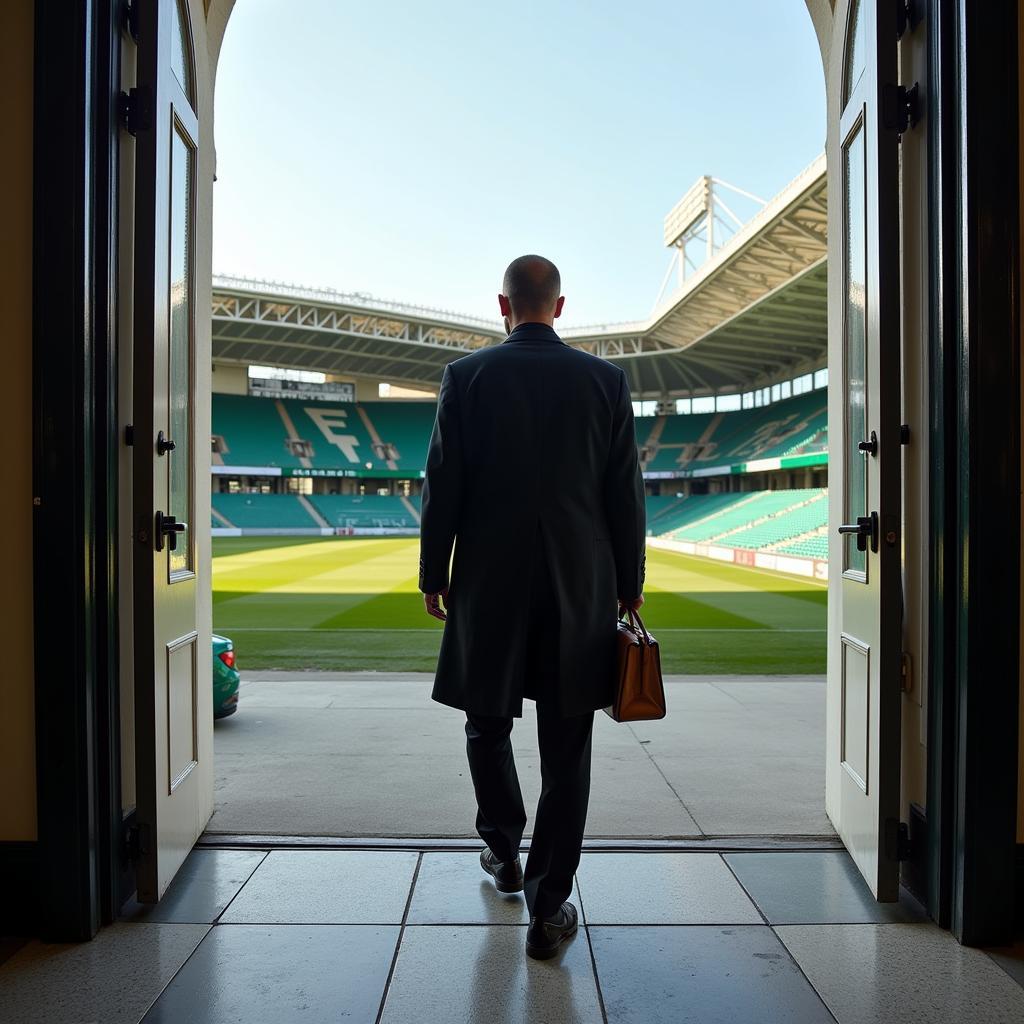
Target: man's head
{"points": [[530, 292]]}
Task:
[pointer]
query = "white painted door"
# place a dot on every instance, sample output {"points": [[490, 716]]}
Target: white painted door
{"points": [[173, 703], [865, 603]]}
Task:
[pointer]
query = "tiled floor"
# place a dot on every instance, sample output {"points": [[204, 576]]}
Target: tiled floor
{"points": [[314, 936]]}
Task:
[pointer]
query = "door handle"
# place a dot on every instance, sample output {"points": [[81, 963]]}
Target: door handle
{"points": [[865, 529], [869, 447], [169, 527], [164, 444]]}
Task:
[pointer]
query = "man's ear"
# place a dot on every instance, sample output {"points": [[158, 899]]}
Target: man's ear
{"points": [[504, 305], [558, 306]]}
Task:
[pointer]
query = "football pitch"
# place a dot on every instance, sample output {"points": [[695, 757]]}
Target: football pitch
{"points": [[352, 604]]}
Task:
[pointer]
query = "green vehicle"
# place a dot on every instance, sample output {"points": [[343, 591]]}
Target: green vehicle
{"points": [[225, 677]]}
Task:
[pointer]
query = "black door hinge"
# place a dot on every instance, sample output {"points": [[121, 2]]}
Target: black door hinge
{"points": [[896, 842], [908, 15], [131, 19], [136, 110], [904, 845], [129, 435], [899, 107], [136, 841]]}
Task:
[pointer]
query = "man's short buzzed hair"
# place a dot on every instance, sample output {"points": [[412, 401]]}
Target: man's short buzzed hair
{"points": [[532, 284]]}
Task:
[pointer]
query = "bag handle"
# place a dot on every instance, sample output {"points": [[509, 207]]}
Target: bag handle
{"points": [[638, 625]]}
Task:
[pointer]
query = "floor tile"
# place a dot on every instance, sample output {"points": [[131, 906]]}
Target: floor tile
{"points": [[701, 975], [879, 973], [469, 975], [111, 980], [814, 888], [451, 888], [325, 887], [662, 888], [281, 973], [205, 884]]}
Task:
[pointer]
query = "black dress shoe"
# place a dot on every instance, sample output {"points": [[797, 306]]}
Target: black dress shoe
{"points": [[507, 874], [545, 935]]}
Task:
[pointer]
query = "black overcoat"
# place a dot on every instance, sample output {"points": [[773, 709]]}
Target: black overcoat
{"points": [[533, 455]]}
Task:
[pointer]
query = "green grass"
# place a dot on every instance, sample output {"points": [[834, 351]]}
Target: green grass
{"points": [[353, 604]]}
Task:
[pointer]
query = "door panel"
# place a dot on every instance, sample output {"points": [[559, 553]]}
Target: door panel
{"points": [[865, 596], [172, 692]]}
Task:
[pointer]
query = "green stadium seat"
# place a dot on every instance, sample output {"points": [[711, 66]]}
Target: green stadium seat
{"points": [[407, 426], [785, 524], [263, 511], [363, 510], [253, 432], [341, 435], [692, 509], [795, 426], [336, 432], [809, 547], [740, 513]]}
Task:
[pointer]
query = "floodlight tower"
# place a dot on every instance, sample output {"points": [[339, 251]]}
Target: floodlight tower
{"points": [[698, 226]]}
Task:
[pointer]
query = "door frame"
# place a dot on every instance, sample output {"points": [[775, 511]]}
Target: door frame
{"points": [[976, 345], [80, 851], [971, 101]]}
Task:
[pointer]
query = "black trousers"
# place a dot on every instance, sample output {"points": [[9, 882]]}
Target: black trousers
{"points": [[561, 812]]}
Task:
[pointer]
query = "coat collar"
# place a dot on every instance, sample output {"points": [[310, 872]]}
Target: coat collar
{"points": [[533, 332]]}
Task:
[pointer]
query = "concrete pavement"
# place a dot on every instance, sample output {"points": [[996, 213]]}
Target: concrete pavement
{"points": [[369, 754]]}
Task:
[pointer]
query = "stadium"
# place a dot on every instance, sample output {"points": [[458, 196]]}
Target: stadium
{"points": [[730, 393]]}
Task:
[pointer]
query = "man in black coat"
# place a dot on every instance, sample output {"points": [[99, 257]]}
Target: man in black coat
{"points": [[532, 474]]}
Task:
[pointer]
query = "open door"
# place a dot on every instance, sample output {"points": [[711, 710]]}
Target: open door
{"points": [[865, 590], [173, 705]]}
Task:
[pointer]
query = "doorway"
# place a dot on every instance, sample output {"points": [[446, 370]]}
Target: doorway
{"points": [[715, 622], [941, 766]]}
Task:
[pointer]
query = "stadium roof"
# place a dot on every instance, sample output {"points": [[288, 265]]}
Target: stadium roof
{"points": [[753, 314]]}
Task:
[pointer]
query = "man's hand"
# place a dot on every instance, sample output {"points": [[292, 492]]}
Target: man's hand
{"points": [[635, 604], [433, 604]]}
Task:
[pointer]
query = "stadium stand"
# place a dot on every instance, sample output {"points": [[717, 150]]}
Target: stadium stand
{"points": [[404, 425], [252, 432], [795, 426], [362, 510], [738, 517], [389, 437], [795, 521], [336, 433], [694, 509], [809, 547], [659, 505], [294, 434], [263, 511]]}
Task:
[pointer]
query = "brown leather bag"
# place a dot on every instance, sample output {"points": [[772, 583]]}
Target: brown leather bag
{"points": [[640, 692]]}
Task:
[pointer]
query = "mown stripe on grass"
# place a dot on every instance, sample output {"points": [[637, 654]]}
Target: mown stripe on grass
{"points": [[734, 576], [665, 609], [279, 567], [431, 629]]}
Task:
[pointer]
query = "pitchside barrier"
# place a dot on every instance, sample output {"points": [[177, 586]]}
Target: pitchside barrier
{"points": [[315, 531], [814, 568]]}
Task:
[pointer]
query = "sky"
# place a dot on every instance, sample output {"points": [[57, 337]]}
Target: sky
{"points": [[410, 150]]}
